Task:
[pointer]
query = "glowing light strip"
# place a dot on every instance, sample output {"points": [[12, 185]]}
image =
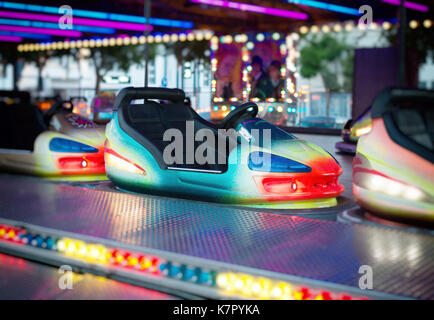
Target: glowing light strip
{"points": [[53, 32], [6, 38], [26, 35], [254, 8], [408, 4], [99, 15], [76, 21], [326, 6], [49, 25], [229, 283]]}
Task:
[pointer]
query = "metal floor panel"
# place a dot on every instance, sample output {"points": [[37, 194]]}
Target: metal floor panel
{"points": [[402, 262]]}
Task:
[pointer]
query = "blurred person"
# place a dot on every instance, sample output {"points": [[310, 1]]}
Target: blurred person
{"points": [[261, 85], [276, 80]]}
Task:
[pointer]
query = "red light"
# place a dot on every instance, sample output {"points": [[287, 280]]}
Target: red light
{"points": [[326, 295], [82, 164], [346, 297]]}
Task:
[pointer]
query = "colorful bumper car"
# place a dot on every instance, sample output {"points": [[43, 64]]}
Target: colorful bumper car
{"points": [[353, 130], [58, 144], [393, 170], [166, 148]]}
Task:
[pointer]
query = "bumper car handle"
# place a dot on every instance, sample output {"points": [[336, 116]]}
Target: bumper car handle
{"points": [[126, 95]]}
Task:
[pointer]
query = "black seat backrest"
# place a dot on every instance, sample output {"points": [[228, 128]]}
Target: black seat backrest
{"points": [[408, 118], [23, 123], [147, 123]]}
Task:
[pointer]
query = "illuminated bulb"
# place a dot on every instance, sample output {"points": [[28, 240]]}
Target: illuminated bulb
{"points": [[337, 28], [413, 193], [413, 24], [222, 280], [61, 245], [190, 37], [279, 109], [174, 37], [314, 29], [361, 26], [260, 37], [84, 164], [427, 23], [349, 27], [325, 29], [377, 183], [304, 29], [386, 25], [394, 188], [166, 38], [275, 36]]}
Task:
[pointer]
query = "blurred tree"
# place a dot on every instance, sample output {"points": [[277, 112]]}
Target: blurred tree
{"points": [[327, 57], [419, 44], [106, 59]]}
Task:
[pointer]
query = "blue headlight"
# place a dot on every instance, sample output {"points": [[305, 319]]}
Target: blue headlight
{"points": [[65, 145], [261, 161]]}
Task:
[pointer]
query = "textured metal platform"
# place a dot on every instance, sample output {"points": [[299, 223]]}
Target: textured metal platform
{"points": [[330, 252]]}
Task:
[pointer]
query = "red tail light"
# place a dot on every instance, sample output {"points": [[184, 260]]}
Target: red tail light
{"points": [[82, 164]]}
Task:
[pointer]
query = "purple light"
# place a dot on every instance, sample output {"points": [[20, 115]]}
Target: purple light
{"points": [[10, 38], [408, 4], [254, 8], [78, 21], [53, 32]]}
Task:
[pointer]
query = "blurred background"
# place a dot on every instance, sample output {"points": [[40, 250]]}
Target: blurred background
{"points": [[312, 64]]}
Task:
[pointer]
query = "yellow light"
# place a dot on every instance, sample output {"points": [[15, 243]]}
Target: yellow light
{"points": [[134, 40], [298, 295], [142, 39], [349, 27], [61, 245], [157, 38], [11, 234], [116, 162], [119, 41], [386, 25], [413, 24], [363, 130], [132, 261], [208, 35], [427, 23], [166, 38], [119, 257], [314, 29], [182, 37], [325, 29], [304, 29], [224, 108], [279, 109], [337, 28], [199, 36], [190, 36], [145, 263], [150, 39], [361, 26], [20, 47], [319, 297], [222, 280], [174, 37]]}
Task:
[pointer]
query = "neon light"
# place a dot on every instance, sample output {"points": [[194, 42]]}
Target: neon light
{"points": [[254, 8], [53, 32], [7, 38], [100, 15], [26, 35], [77, 21], [326, 6], [49, 25], [408, 4]]}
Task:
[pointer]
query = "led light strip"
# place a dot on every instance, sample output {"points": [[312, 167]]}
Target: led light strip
{"points": [[326, 6], [254, 8], [78, 21], [99, 15], [223, 282], [117, 41]]}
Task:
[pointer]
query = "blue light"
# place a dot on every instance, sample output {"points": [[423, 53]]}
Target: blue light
{"points": [[270, 109], [216, 108], [326, 6], [26, 35], [266, 162], [289, 109], [50, 25], [294, 110], [65, 145], [232, 107], [100, 15]]}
